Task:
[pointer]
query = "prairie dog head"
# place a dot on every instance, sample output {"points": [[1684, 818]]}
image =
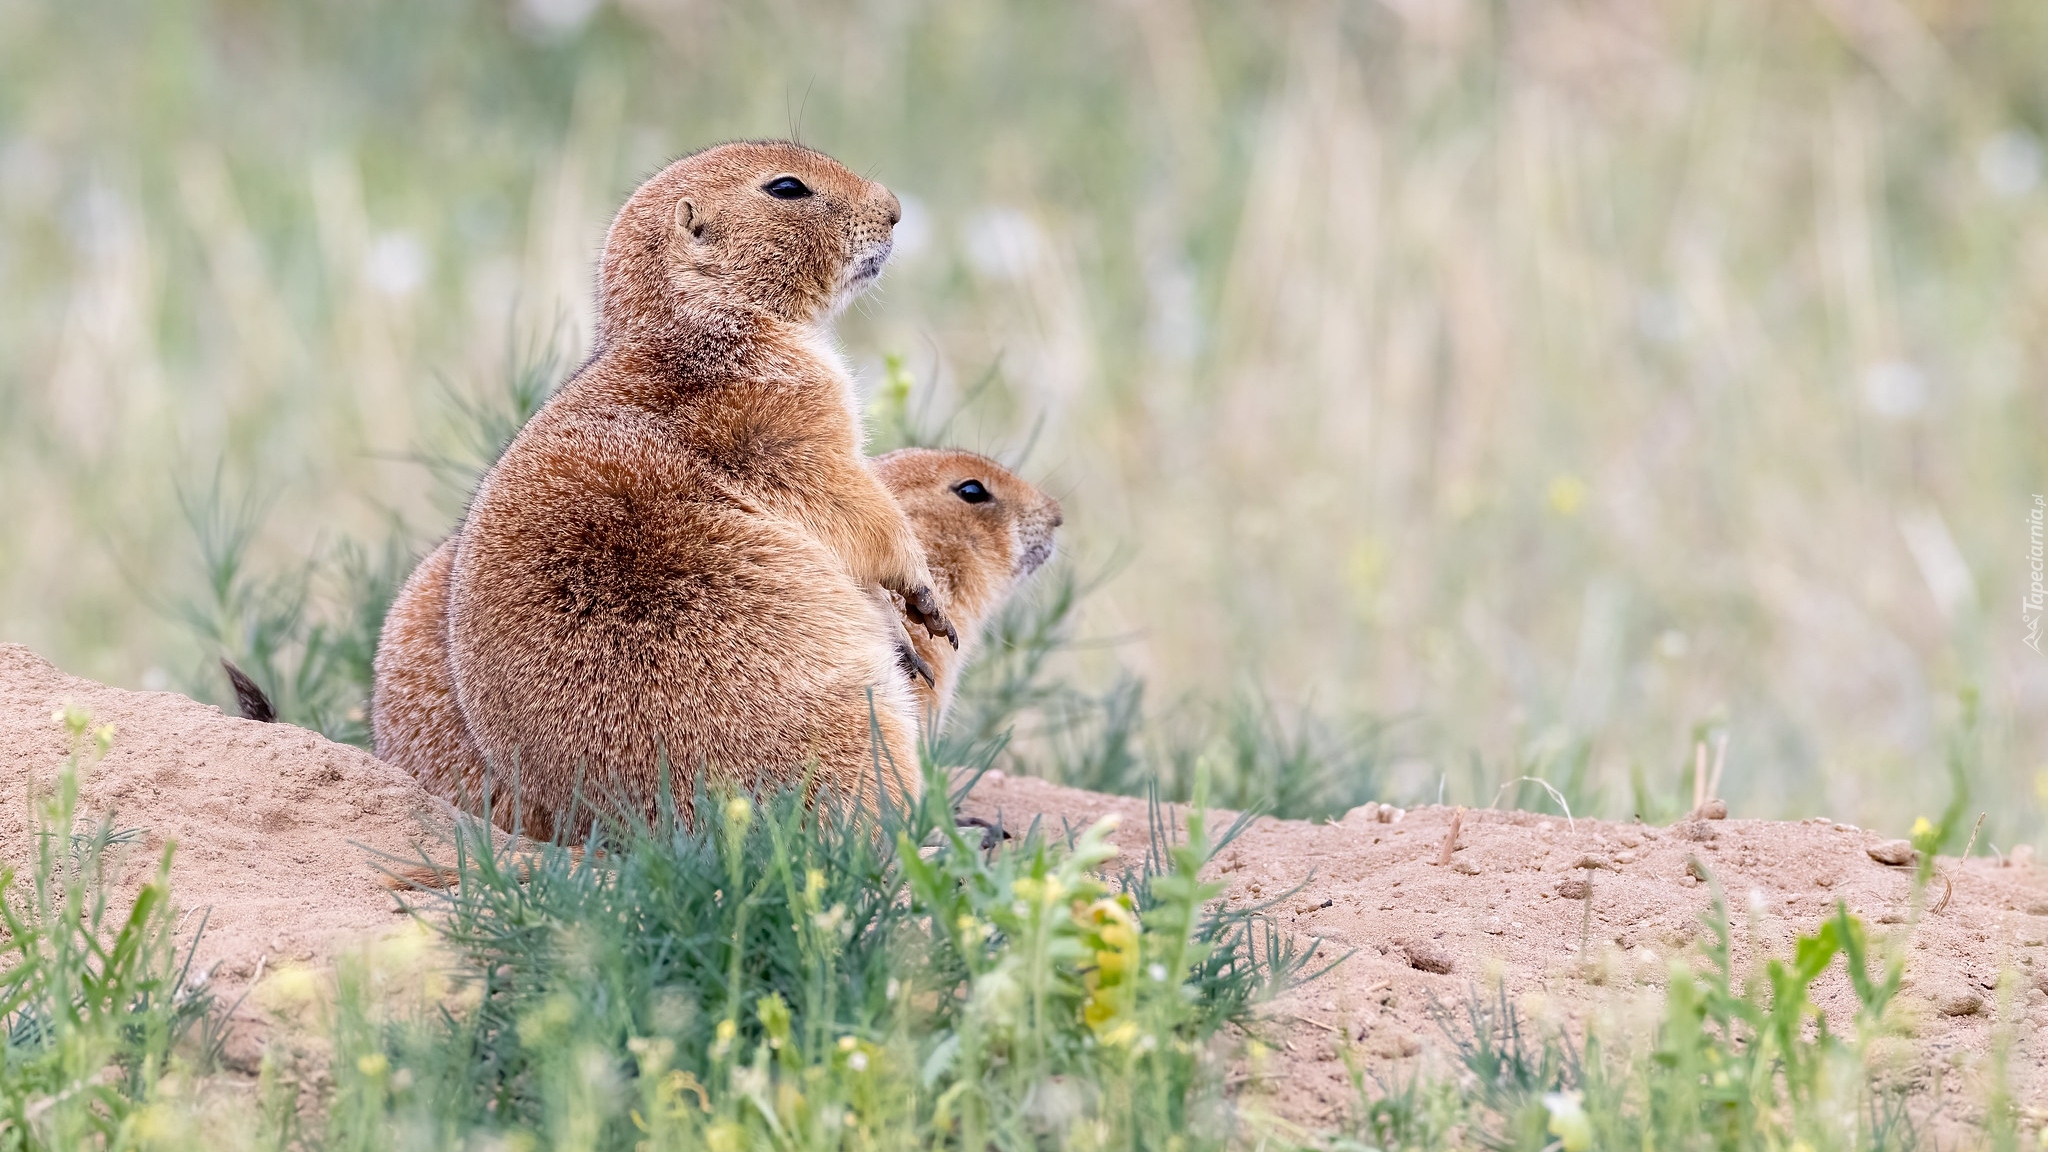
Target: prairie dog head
{"points": [[983, 530], [768, 224]]}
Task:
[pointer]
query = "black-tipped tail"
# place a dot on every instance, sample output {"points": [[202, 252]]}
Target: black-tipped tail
{"points": [[248, 697]]}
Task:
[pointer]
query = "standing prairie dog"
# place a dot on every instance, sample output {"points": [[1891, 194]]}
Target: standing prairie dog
{"points": [[675, 559], [983, 529]]}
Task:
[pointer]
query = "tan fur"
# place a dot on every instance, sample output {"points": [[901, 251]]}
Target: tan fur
{"points": [[691, 508], [979, 552]]}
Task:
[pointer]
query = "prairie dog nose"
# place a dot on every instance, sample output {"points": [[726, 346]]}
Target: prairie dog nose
{"points": [[894, 206]]}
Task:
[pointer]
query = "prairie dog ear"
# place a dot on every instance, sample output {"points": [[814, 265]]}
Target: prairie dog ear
{"points": [[688, 219]]}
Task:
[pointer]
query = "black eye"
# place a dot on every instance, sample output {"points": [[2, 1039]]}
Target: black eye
{"points": [[786, 188], [972, 492]]}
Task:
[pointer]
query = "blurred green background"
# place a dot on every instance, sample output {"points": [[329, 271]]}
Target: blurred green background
{"points": [[1538, 387]]}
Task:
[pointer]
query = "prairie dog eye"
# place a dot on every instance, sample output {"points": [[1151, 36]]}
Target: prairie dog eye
{"points": [[973, 492], [786, 188]]}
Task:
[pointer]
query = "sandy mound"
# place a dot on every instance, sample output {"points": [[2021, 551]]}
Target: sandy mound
{"points": [[1419, 930], [276, 828], [274, 825]]}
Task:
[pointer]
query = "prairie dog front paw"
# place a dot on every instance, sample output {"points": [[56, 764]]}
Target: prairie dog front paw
{"points": [[921, 605]]}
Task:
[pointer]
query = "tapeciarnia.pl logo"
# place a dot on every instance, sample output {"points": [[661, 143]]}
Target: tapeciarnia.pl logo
{"points": [[2037, 591]]}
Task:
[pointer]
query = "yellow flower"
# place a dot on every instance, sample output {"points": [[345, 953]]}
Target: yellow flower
{"points": [[1922, 826], [725, 1136], [372, 1064], [738, 811], [1111, 931], [292, 984], [1568, 1121], [1121, 1035], [1567, 493]]}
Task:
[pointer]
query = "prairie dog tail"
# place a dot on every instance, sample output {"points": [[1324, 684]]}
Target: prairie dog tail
{"points": [[249, 696]]}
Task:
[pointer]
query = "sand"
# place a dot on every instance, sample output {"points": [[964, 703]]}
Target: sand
{"points": [[276, 829], [1517, 905], [278, 833]]}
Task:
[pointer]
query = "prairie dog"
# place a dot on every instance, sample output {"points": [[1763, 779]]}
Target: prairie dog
{"points": [[983, 529], [676, 557]]}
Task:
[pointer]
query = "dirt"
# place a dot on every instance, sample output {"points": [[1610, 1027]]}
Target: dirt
{"points": [[278, 833], [1581, 920], [277, 830]]}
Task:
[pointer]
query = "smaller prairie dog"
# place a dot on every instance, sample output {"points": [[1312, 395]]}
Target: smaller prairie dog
{"points": [[983, 529]]}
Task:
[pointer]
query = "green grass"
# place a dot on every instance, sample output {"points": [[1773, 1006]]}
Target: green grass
{"points": [[1732, 1064], [760, 975], [99, 1014], [778, 976]]}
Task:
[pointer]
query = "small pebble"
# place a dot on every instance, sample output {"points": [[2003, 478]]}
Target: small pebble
{"points": [[1573, 888], [1374, 812], [1714, 810], [1894, 852], [1960, 1004]]}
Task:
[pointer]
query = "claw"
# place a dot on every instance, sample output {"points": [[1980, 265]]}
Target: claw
{"points": [[908, 659]]}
